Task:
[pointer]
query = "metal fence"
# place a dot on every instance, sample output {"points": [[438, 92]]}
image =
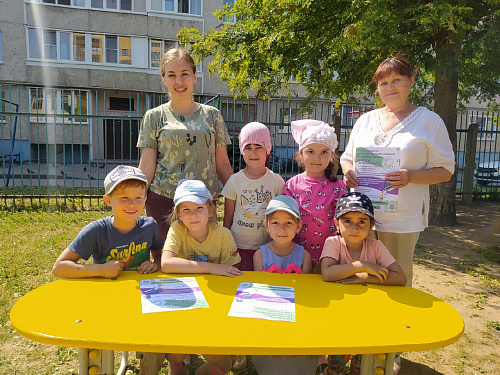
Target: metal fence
{"points": [[57, 145]]}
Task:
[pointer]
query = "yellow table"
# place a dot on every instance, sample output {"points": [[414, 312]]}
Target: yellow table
{"points": [[331, 318]]}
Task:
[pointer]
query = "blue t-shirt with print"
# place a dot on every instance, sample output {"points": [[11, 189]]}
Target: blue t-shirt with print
{"points": [[101, 240]]}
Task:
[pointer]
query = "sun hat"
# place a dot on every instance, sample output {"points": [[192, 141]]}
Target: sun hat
{"points": [[257, 133], [354, 202], [283, 203], [310, 131], [120, 174], [191, 191]]}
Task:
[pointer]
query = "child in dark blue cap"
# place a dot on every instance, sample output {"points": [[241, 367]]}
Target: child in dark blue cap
{"points": [[354, 258]]}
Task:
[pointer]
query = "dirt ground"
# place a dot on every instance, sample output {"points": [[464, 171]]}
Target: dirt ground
{"points": [[450, 265]]}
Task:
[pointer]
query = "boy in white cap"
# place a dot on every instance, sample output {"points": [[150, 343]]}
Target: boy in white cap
{"points": [[248, 192], [123, 241]]}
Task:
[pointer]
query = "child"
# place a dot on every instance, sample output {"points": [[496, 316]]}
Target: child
{"points": [[353, 258], [317, 189], [196, 244], [123, 241], [248, 192], [282, 255]]}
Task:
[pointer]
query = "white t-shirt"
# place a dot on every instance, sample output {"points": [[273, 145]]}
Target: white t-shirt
{"points": [[424, 143], [252, 198]]}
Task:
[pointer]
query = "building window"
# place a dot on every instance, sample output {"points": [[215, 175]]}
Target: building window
{"points": [[230, 5], [121, 104], [97, 48], [111, 49], [67, 46], [78, 47], [158, 48], [1, 54], [58, 102], [178, 6]]}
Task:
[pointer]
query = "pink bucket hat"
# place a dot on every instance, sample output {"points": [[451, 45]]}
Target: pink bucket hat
{"points": [[310, 131], [257, 133]]}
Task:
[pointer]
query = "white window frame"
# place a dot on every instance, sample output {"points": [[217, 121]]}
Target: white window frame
{"points": [[88, 5], [42, 95], [1, 47], [199, 66], [176, 7], [485, 123], [41, 34]]}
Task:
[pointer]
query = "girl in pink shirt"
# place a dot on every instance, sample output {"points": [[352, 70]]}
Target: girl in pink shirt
{"points": [[353, 258], [317, 189]]}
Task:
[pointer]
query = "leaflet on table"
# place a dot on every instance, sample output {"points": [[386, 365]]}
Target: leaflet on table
{"points": [[171, 294], [371, 166], [262, 301]]}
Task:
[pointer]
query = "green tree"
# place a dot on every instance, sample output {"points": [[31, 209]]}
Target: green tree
{"points": [[333, 47]]}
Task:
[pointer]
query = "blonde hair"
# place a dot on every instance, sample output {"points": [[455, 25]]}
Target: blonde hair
{"points": [[212, 218], [179, 53]]}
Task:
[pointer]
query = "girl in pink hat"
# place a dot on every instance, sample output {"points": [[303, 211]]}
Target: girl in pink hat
{"points": [[248, 192], [317, 189]]}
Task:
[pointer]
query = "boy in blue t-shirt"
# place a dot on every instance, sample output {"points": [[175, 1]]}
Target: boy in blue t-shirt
{"points": [[122, 241]]}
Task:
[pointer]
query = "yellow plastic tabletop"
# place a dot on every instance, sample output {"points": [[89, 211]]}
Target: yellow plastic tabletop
{"points": [[331, 318]]}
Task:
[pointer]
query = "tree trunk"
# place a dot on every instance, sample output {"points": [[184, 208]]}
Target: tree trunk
{"points": [[447, 47]]}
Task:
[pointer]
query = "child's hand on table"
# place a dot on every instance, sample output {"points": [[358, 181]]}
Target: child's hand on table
{"points": [[147, 267], [111, 269], [224, 270]]}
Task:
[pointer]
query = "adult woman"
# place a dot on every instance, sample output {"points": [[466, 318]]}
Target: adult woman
{"points": [[426, 157], [181, 139]]}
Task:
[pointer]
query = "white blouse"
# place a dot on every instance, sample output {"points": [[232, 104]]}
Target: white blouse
{"points": [[424, 143]]}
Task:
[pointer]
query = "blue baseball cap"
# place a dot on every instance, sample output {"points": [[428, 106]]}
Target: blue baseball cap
{"points": [[283, 203], [191, 191]]}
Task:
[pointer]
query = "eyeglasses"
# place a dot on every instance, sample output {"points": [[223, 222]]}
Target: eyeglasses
{"points": [[396, 82]]}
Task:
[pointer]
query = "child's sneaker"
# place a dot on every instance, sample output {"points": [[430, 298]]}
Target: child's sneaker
{"points": [[241, 363]]}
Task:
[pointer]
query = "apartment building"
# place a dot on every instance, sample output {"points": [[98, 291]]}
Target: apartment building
{"points": [[89, 57]]}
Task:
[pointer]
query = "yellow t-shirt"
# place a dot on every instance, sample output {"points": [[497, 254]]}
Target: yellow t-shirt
{"points": [[219, 246]]}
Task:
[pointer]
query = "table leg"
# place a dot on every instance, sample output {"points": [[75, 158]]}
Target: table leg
{"points": [[96, 362], [377, 364]]}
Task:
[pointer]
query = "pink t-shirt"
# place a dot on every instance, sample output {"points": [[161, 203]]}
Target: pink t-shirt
{"points": [[373, 251], [317, 199]]}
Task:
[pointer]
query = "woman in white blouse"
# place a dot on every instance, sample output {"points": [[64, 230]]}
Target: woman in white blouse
{"points": [[426, 157]]}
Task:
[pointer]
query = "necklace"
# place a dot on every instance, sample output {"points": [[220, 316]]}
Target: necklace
{"points": [[383, 138]]}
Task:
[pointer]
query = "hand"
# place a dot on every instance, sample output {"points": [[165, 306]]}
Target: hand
{"points": [[147, 267], [399, 178], [224, 270], [111, 269], [374, 269], [350, 179]]}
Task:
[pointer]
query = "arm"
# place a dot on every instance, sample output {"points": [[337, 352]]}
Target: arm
{"points": [[331, 270], [170, 263], [150, 267], [307, 262], [429, 176], [222, 164], [229, 205], [257, 261], [67, 266], [147, 164], [395, 276]]}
